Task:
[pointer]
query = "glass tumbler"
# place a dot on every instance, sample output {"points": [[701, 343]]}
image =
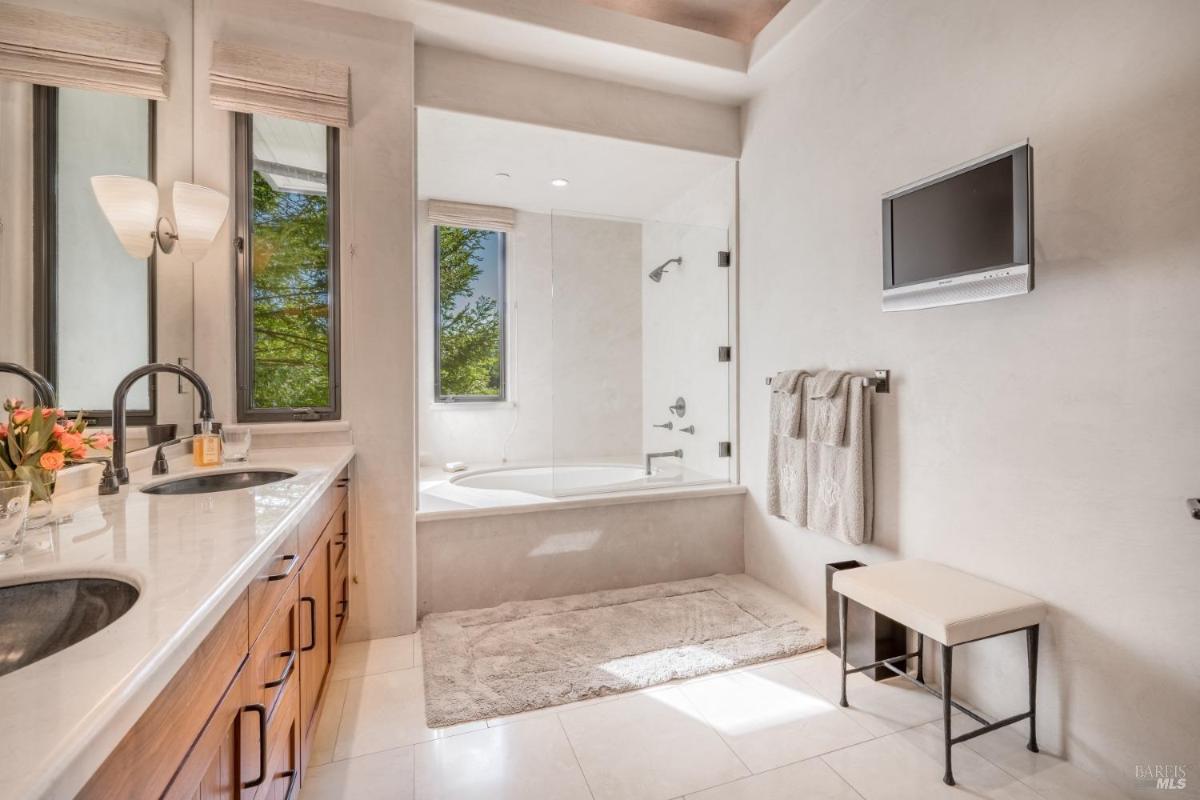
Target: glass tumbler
{"points": [[14, 504], [235, 442]]}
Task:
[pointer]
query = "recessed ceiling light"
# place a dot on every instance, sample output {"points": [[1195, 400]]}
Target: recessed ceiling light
{"points": [[503, 175], [559, 182]]}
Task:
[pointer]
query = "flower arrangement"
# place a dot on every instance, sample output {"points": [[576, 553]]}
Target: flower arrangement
{"points": [[37, 442]]}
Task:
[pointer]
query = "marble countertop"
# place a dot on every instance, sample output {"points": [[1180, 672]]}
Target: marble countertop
{"points": [[189, 555]]}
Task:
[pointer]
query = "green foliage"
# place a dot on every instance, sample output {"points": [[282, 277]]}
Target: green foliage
{"points": [[290, 292], [470, 324]]}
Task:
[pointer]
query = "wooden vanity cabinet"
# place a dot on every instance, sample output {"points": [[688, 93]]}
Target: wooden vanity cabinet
{"points": [[236, 721]]}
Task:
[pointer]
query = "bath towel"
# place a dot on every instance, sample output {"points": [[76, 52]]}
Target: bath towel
{"points": [[787, 480], [787, 403], [826, 410], [840, 493]]}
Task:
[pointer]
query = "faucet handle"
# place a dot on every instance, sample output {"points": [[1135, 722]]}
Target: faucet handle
{"points": [[668, 425]]}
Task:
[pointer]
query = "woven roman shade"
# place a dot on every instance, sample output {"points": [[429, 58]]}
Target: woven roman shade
{"points": [[257, 81], [53, 49], [470, 215]]}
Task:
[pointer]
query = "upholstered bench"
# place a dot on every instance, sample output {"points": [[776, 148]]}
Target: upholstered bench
{"points": [[952, 608]]}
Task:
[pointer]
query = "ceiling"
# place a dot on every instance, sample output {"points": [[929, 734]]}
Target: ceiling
{"points": [[460, 154], [740, 20]]}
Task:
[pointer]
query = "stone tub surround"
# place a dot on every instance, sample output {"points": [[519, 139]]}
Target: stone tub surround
{"points": [[479, 558], [190, 556]]}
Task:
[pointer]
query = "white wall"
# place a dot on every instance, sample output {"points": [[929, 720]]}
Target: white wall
{"points": [[574, 350], [378, 285], [1046, 441]]}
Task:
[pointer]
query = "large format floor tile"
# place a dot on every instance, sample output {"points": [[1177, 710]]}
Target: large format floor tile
{"points": [[380, 776], [807, 780], [385, 711], [649, 746], [527, 759], [770, 717], [325, 737], [356, 659]]}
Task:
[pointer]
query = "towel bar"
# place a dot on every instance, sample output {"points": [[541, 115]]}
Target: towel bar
{"points": [[881, 383]]}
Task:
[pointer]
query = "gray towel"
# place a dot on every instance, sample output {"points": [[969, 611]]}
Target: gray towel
{"points": [[787, 475], [840, 499], [787, 403], [826, 410]]}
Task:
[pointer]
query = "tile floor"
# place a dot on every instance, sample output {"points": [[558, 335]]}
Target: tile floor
{"points": [[767, 732]]}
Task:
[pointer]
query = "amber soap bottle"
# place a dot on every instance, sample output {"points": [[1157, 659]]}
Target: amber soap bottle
{"points": [[206, 446]]}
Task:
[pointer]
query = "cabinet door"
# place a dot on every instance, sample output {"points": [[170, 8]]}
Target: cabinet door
{"points": [[339, 575], [214, 770], [314, 633]]}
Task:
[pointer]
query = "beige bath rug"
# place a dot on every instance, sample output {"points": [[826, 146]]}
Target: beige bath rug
{"points": [[536, 653]]}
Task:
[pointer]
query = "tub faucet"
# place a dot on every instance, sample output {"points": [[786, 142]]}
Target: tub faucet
{"points": [[664, 454], [122, 392], [43, 391]]}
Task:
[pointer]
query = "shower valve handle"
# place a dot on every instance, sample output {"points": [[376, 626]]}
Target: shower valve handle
{"points": [[680, 407], [668, 425]]}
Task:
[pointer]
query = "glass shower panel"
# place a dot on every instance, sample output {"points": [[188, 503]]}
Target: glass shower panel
{"points": [[640, 309]]}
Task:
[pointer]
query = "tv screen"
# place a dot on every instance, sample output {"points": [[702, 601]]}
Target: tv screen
{"points": [[963, 235]]}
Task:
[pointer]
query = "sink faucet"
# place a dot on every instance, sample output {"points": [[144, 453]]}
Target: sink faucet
{"points": [[664, 454], [43, 392], [122, 392]]}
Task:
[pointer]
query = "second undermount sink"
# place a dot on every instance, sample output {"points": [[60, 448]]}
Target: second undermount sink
{"points": [[218, 481], [39, 619]]}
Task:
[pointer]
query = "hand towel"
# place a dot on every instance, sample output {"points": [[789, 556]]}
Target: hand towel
{"points": [[826, 410], [787, 478], [840, 494], [787, 403]]}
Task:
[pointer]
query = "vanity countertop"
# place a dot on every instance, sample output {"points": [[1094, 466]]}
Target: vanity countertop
{"points": [[190, 557]]}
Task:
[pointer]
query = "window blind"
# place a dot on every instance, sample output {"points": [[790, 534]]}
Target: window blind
{"points": [[470, 215], [257, 81]]}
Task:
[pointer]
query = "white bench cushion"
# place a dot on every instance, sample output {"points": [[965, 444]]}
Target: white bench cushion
{"points": [[941, 602]]}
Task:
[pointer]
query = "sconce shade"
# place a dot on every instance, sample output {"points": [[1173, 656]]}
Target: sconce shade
{"points": [[131, 206], [199, 212]]}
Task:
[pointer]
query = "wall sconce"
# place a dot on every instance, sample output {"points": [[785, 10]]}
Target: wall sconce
{"points": [[131, 206]]}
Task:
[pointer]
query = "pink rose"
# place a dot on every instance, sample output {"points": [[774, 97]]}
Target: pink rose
{"points": [[102, 441], [52, 461], [58, 431], [3, 430], [70, 441], [79, 453], [21, 416]]}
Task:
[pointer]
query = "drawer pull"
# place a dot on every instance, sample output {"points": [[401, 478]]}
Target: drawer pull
{"points": [[342, 483], [291, 775], [345, 606], [292, 560], [287, 670], [261, 710], [312, 622]]}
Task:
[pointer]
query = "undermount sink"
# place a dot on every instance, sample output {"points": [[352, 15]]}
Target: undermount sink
{"points": [[39, 619], [219, 481]]}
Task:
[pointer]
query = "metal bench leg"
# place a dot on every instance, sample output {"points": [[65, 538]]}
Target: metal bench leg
{"points": [[842, 614], [947, 668], [1031, 640], [920, 658]]}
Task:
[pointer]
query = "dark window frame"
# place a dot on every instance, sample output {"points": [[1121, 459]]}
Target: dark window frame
{"points": [[243, 250], [501, 303], [45, 254]]}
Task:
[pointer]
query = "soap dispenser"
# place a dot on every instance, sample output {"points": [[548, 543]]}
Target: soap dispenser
{"points": [[206, 446]]}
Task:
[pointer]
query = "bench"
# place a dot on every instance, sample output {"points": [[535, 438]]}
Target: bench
{"points": [[952, 608]]}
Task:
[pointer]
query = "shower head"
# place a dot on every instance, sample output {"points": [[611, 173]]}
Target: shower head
{"points": [[657, 273]]}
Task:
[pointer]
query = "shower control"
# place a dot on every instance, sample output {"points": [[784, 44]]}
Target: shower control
{"points": [[668, 425], [688, 429], [680, 407]]}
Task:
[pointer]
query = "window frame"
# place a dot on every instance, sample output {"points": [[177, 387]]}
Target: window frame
{"points": [[501, 303], [45, 254], [244, 305]]}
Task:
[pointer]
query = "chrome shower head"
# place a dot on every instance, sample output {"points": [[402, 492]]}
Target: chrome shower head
{"points": [[657, 273]]}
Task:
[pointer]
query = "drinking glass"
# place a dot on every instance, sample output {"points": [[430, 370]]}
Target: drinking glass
{"points": [[14, 504], [235, 442]]}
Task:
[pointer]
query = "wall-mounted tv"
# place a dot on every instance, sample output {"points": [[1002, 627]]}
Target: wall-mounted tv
{"points": [[961, 236]]}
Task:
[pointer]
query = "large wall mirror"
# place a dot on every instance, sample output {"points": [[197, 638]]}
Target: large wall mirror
{"points": [[74, 305]]}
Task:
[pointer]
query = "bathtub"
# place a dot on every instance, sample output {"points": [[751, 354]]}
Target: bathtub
{"points": [[546, 481]]}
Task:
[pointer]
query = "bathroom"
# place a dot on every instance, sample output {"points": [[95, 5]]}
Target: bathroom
{"points": [[471, 399]]}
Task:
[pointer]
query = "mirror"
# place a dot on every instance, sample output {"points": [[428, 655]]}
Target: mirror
{"points": [[74, 305]]}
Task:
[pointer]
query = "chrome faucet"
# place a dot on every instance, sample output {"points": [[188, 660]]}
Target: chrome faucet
{"points": [[122, 392], [664, 454], [43, 391]]}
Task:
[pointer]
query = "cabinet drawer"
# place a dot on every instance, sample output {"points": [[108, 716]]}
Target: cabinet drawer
{"points": [[280, 770], [213, 769], [275, 656], [272, 581], [314, 522], [339, 534]]}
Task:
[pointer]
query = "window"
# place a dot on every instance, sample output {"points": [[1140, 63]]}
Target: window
{"points": [[469, 318], [94, 315], [287, 292]]}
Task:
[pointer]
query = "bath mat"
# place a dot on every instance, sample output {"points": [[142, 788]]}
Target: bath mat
{"points": [[530, 654]]}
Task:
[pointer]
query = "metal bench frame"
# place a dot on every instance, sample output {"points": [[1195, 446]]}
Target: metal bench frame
{"points": [[1031, 641]]}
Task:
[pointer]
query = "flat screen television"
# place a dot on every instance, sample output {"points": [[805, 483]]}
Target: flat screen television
{"points": [[961, 236]]}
